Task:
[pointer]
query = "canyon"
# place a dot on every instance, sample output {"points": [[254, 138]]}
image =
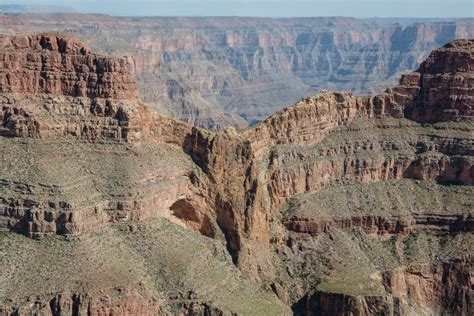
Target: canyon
{"points": [[218, 72], [339, 204]]}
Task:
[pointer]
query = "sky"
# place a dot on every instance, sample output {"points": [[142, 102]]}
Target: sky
{"points": [[268, 8]]}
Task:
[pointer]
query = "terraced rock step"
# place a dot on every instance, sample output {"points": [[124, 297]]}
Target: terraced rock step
{"points": [[35, 64], [73, 193], [338, 204], [383, 208], [150, 268], [215, 72], [417, 285]]}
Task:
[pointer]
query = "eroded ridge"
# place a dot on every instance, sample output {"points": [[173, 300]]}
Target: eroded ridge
{"points": [[372, 189], [334, 182]]}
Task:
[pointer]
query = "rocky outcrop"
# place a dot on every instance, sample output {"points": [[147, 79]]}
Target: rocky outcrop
{"points": [[329, 173], [308, 122], [419, 285], [54, 86], [135, 299], [214, 205], [322, 303], [132, 300], [414, 290], [303, 176], [76, 207], [386, 225], [53, 64], [311, 122], [93, 159], [440, 90], [234, 189], [55, 90]]}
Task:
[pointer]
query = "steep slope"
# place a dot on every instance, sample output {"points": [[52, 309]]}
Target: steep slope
{"points": [[376, 208], [217, 72], [83, 156], [338, 204]]}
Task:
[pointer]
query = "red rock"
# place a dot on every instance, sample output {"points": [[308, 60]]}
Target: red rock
{"points": [[60, 65], [54, 87]]}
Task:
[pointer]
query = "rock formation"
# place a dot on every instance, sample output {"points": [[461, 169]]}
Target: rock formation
{"points": [[347, 173], [338, 204], [95, 155], [218, 72], [53, 65]]}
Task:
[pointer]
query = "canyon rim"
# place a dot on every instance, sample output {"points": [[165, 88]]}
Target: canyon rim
{"points": [[141, 174]]}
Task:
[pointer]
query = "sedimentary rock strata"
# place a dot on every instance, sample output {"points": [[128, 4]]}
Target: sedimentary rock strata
{"points": [[56, 65], [79, 161], [338, 204], [371, 172], [218, 72]]}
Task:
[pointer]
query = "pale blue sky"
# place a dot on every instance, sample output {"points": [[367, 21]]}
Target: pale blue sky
{"points": [[269, 8]]}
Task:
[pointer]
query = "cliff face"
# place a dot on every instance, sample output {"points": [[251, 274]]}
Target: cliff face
{"points": [[355, 180], [445, 79], [57, 91], [417, 285], [56, 65], [54, 86], [96, 160], [218, 72], [339, 204]]}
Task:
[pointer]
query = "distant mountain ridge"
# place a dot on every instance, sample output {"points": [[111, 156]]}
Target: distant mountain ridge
{"points": [[35, 8]]}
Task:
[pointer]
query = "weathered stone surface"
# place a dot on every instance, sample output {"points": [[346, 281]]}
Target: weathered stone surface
{"points": [[446, 85], [134, 299], [53, 86], [234, 189], [290, 200], [418, 285], [150, 268], [215, 72], [56, 64]]}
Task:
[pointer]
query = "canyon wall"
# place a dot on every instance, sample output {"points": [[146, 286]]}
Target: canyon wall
{"points": [[53, 65], [338, 204], [218, 72], [349, 175], [95, 157]]}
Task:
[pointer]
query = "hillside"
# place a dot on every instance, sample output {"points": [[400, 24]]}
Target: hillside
{"points": [[337, 204]]}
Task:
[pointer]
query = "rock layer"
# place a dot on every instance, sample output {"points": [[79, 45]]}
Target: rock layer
{"points": [[216, 72], [417, 285], [54, 64], [331, 180], [291, 200]]}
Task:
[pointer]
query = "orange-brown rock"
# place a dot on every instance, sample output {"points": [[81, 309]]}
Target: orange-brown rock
{"points": [[312, 120], [444, 85], [385, 225], [84, 152], [234, 189], [132, 300], [345, 146], [440, 287], [54, 86], [322, 303], [409, 291], [60, 65]]}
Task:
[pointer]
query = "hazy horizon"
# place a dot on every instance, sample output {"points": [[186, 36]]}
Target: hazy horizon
{"points": [[267, 8]]}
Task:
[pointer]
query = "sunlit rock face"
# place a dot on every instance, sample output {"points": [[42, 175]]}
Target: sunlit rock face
{"points": [[337, 204], [218, 72]]}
